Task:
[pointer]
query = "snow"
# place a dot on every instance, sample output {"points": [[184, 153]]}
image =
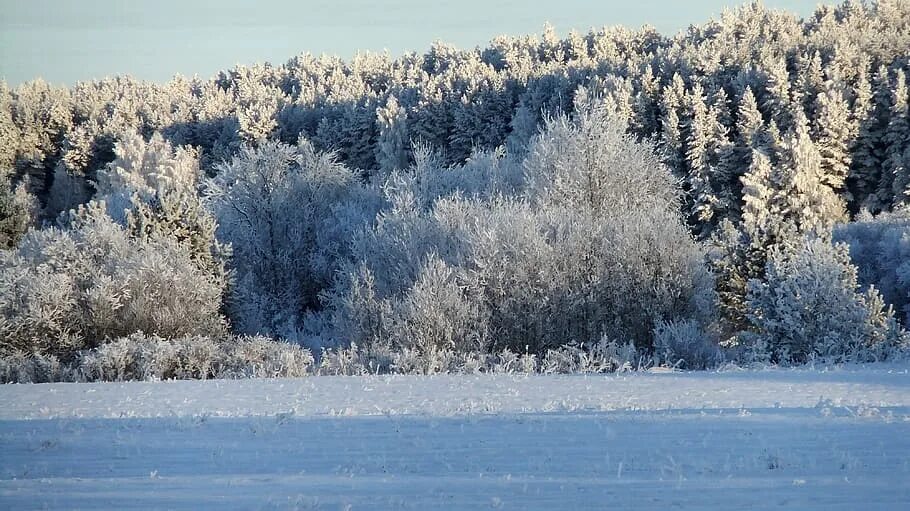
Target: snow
{"points": [[800, 439]]}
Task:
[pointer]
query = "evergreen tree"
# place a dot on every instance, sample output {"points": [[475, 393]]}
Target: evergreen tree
{"points": [[702, 201], [777, 103], [865, 166], [810, 83], [9, 133], [722, 155], [17, 210], [673, 136], [749, 126], [809, 306], [760, 212], [834, 130], [808, 202], [896, 166], [874, 134], [646, 104], [393, 144]]}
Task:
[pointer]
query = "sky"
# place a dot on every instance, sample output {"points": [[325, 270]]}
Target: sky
{"points": [[66, 41]]}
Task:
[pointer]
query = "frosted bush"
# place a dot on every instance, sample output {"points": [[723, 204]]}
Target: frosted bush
{"points": [[355, 361], [809, 306], [65, 290], [591, 244], [30, 368], [880, 249], [288, 213], [601, 357], [260, 357], [685, 344], [141, 357]]}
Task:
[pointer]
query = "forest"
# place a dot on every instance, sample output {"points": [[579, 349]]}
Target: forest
{"points": [[736, 193]]}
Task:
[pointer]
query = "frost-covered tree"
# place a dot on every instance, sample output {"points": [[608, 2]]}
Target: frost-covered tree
{"points": [[287, 213], [145, 170], [804, 196], [9, 133], [673, 136], [834, 130], [809, 306], [561, 258], [151, 189], [749, 129], [257, 105], [42, 115], [761, 214], [17, 211], [880, 249], [394, 141], [896, 164], [65, 290], [699, 160], [777, 97], [864, 163]]}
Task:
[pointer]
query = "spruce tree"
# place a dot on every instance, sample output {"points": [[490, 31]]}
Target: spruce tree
{"points": [[864, 164], [749, 125], [808, 202], [876, 133], [392, 146], [896, 168], [673, 136], [702, 200], [758, 206], [809, 305], [777, 98], [834, 130], [9, 133]]}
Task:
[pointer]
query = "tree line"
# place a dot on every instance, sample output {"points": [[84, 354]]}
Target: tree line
{"points": [[739, 190]]}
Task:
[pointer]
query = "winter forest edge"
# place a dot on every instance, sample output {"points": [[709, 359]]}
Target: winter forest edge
{"points": [[737, 193]]}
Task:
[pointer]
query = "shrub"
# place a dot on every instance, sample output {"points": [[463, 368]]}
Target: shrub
{"points": [[31, 368], [591, 245], [809, 306], [880, 249], [66, 290], [685, 344], [288, 213], [141, 357], [17, 210]]}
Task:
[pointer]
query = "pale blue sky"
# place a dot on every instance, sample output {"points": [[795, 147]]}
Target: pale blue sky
{"points": [[64, 41]]}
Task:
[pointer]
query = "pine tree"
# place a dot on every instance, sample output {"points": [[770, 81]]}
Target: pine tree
{"points": [[808, 202], [758, 206], [834, 130], [392, 146], [17, 211], [865, 167], [749, 125], [896, 167], [702, 200], [777, 104], [673, 136], [9, 133]]}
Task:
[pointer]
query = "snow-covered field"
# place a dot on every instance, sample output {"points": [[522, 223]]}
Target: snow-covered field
{"points": [[802, 439]]}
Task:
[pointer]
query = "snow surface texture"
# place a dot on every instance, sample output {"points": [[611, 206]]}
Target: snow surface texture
{"points": [[801, 439]]}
